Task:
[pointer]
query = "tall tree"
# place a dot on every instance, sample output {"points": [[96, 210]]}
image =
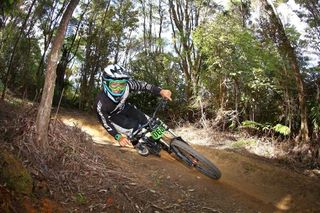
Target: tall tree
{"points": [[185, 17], [288, 53], [44, 111]]}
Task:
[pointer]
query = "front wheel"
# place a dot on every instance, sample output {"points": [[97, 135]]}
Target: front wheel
{"points": [[192, 158]]}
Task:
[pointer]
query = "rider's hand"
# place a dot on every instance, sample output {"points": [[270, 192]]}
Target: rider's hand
{"points": [[166, 94], [123, 141]]}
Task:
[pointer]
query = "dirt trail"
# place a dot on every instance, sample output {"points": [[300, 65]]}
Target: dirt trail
{"points": [[247, 184]]}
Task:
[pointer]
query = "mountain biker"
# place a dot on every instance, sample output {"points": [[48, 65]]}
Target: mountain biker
{"points": [[118, 117]]}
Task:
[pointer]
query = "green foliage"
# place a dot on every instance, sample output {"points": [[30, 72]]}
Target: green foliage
{"points": [[15, 175], [242, 143], [1, 85], [252, 124], [282, 129], [80, 198], [293, 35], [158, 69], [25, 61], [278, 128], [8, 5], [235, 58], [244, 70], [315, 117]]}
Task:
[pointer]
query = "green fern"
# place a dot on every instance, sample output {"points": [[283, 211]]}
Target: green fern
{"points": [[252, 124], [279, 128], [282, 129], [266, 127]]}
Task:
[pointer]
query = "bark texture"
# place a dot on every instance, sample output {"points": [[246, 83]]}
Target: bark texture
{"points": [[44, 111]]}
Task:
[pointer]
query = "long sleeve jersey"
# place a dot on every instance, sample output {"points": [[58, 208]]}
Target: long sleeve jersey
{"points": [[105, 107]]}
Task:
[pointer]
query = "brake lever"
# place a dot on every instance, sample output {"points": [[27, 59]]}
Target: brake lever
{"points": [[164, 102]]}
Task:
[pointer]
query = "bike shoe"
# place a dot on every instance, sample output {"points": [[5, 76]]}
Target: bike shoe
{"points": [[142, 149]]}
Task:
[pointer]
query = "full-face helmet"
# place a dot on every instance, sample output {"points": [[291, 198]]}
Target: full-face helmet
{"points": [[114, 81]]}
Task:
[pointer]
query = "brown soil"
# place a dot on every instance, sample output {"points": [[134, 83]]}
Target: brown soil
{"points": [[248, 184]]}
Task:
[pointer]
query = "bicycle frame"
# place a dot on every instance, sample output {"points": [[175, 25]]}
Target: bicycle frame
{"points": [[144, 131]]}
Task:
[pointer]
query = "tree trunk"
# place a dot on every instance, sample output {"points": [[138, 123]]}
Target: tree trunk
{"points": [[236, 94], [150, 27], [289, 55], [318, 92], [61, 70], [304, 130], [44, 111], [161, 15], [288, 100], [181, 27], [85, 69], [142, 2], [48, 34], [222, 93]]}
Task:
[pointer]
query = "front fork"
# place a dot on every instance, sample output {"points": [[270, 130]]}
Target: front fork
{"points": [[167, 144], [170, 149]]}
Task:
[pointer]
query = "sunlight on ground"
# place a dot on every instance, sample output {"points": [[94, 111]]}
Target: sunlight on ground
{"points": [[97, 132], [284, 203], [256, 146], [195, 135], [17, 101], [220, 140]]}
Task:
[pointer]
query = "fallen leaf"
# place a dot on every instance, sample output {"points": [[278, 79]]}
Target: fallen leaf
{"points": [[109, 201]]}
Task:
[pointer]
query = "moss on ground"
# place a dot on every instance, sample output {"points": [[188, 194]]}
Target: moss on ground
{"points": [[14, 174]]}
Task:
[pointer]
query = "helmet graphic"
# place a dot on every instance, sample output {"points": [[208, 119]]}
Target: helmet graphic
{"points": [[114, 71], [114, 81]]}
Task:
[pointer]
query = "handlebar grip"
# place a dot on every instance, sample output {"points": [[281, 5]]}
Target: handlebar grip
{"points": [[164, 102]]}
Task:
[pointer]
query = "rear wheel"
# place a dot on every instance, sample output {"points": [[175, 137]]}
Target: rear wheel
{"points": [[192, 158]]}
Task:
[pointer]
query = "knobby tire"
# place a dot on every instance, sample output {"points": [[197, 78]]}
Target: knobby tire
{"points": [[193, 158]]}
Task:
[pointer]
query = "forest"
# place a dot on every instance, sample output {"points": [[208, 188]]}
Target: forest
{"points": [[242, 63], [232, 66]]}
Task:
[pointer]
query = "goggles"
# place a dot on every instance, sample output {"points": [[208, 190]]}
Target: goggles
{"points": [[116, 87]]}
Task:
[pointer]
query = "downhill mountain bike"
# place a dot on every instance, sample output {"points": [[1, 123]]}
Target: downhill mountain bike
{"points": [[153, 135]]}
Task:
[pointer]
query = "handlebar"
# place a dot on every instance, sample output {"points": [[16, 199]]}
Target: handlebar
{"points": [[162, 103]]}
